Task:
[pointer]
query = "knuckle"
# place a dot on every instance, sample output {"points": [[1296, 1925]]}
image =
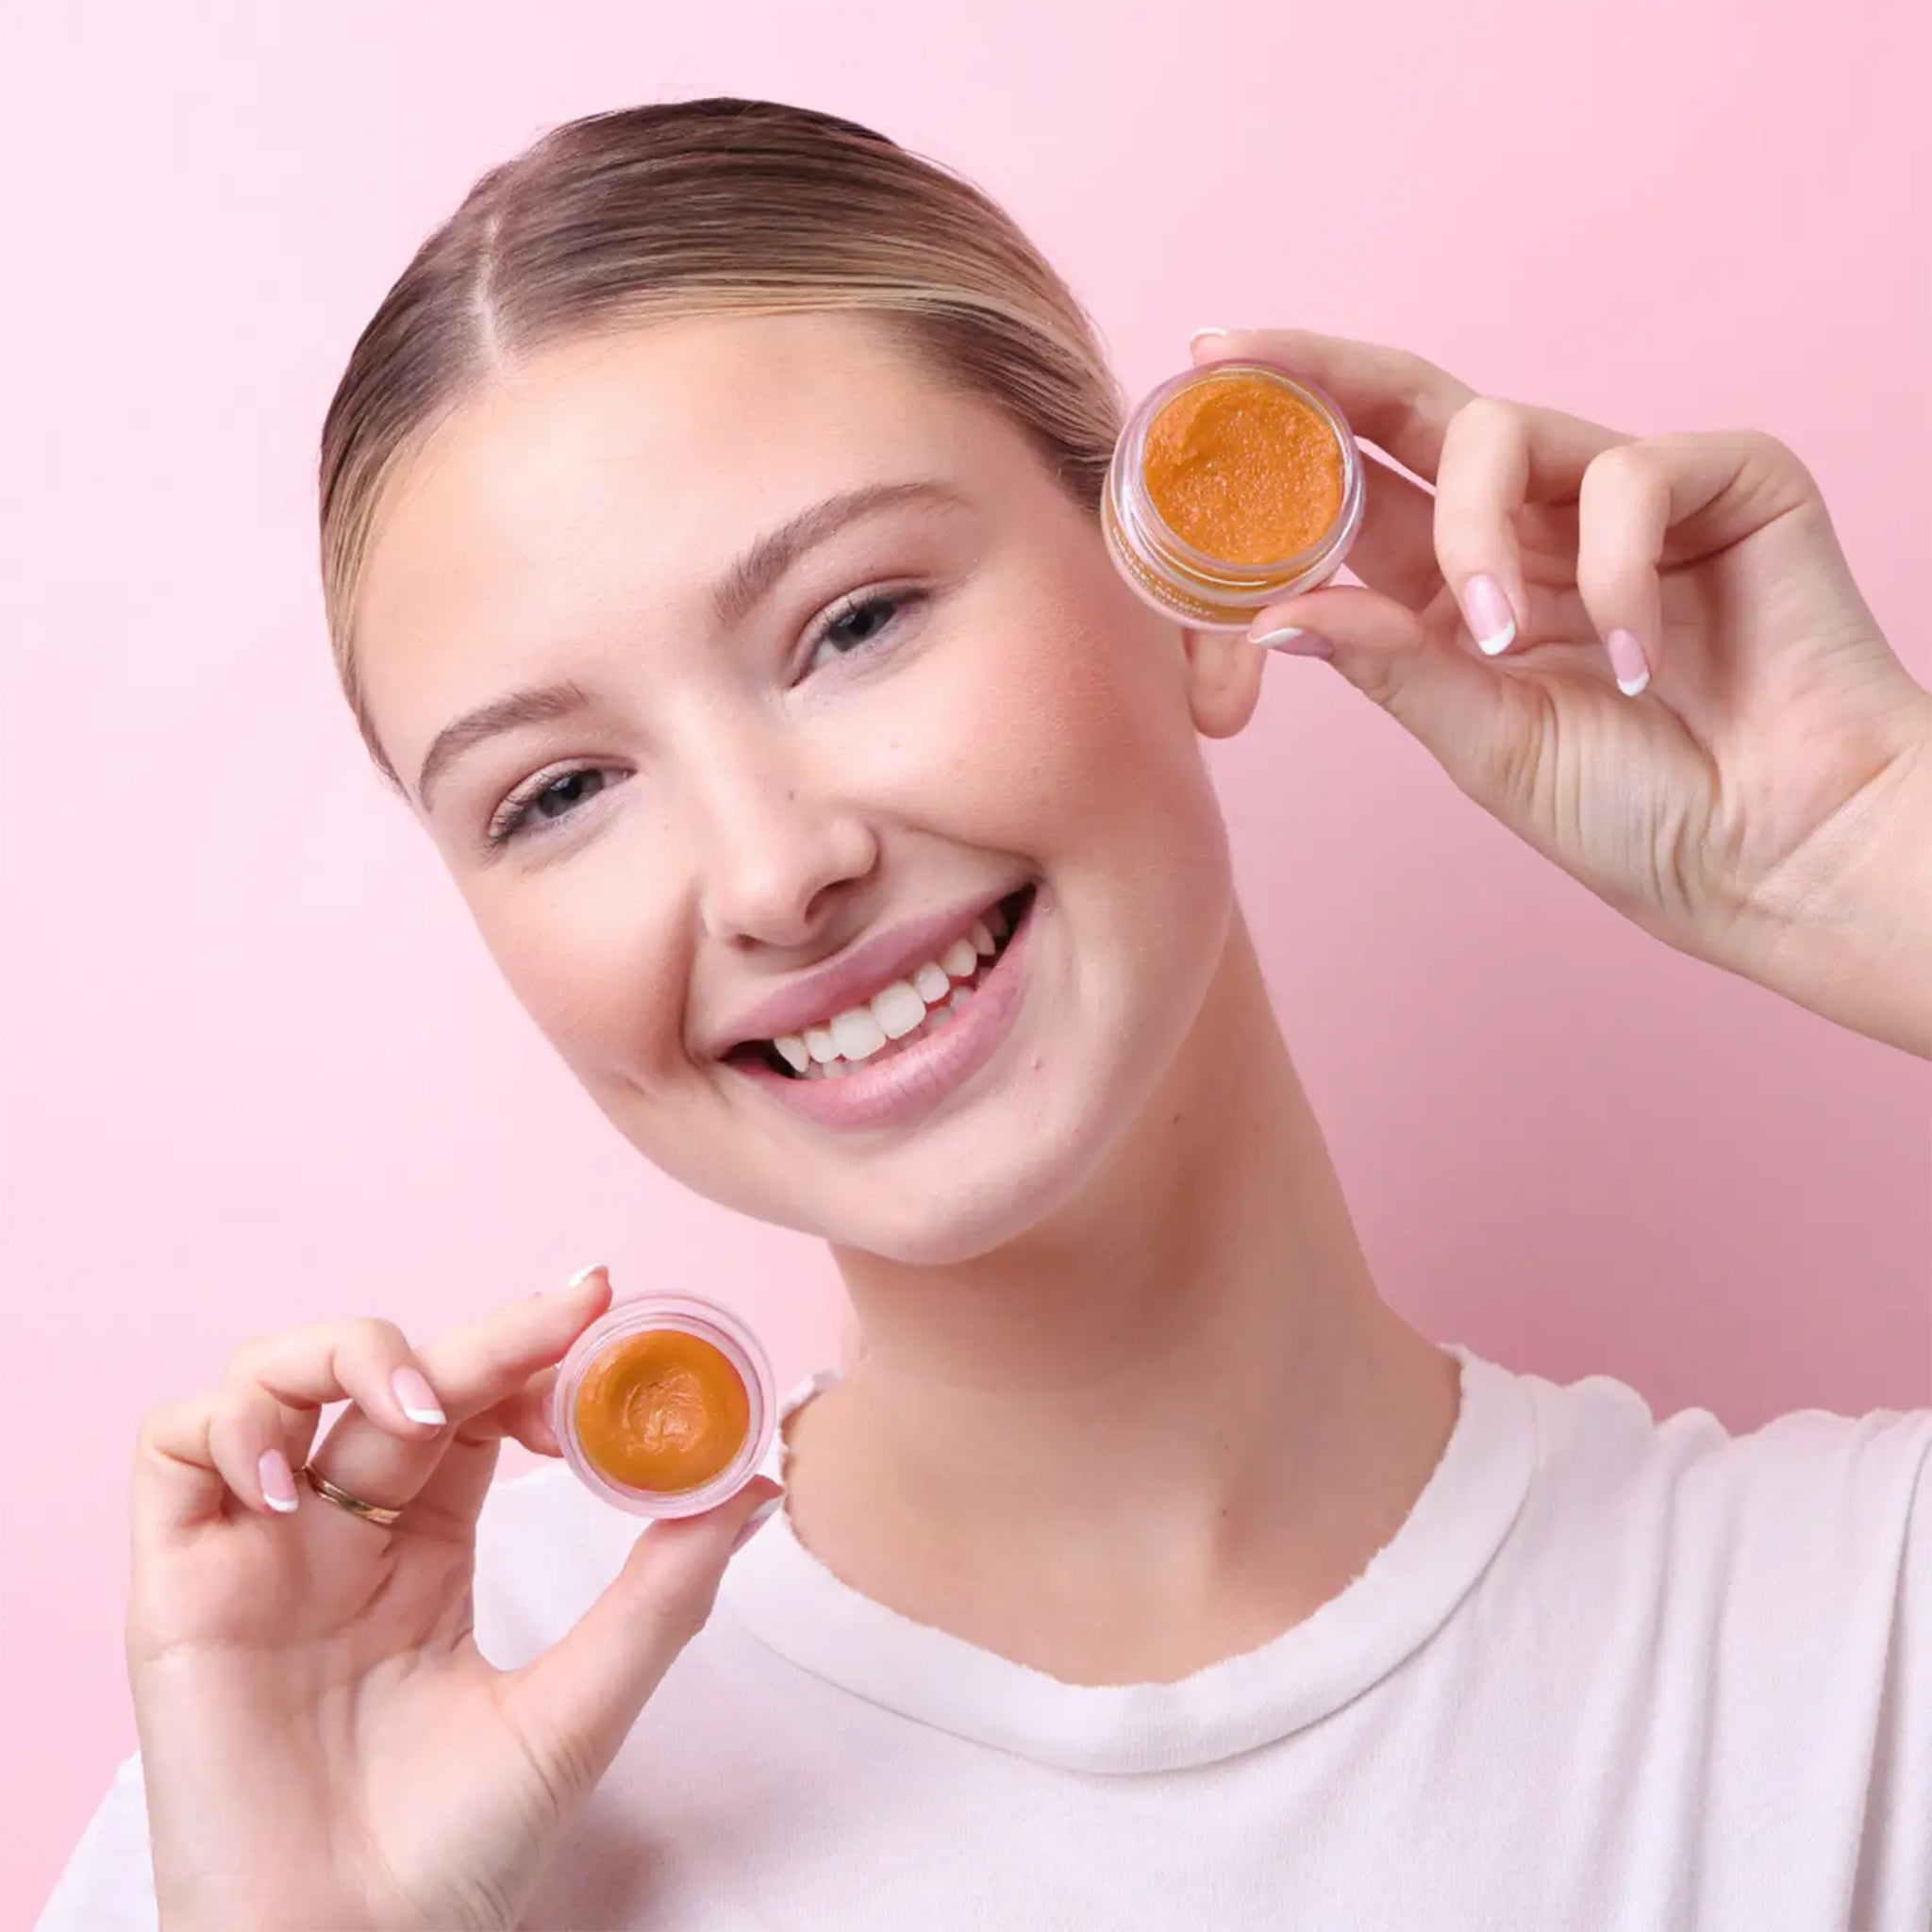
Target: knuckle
{"points": [[1622, 468], [238, 1414], [1486, 419], [243, 1358], [376, 1339], [159, 1423], [1378, 680], [240, 1403], [1772, 448], [1779, 459]]}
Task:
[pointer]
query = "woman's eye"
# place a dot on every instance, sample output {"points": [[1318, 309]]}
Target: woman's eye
{"points": [[857, 627], [556, 798]]}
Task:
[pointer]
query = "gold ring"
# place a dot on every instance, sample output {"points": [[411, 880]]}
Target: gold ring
{"points": [[370, 1512]]}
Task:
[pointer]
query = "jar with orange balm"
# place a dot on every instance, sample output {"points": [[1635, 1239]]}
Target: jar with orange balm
{"points": [[665, 1406], [1232, 486]]}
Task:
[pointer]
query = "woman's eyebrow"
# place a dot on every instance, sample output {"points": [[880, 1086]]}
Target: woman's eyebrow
{"points": [[733, 597], [538, 705], [737, 592]]}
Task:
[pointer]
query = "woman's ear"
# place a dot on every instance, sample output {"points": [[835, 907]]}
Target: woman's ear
{"points": [[1224, 679]]}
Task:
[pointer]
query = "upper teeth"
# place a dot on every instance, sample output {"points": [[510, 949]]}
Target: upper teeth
{"points": [[900, 1009]]}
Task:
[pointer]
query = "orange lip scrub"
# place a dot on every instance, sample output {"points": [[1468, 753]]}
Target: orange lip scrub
{"points": [[666, 1405], [1232, 486]]}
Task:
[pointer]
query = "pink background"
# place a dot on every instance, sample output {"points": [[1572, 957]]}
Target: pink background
{"points": [[256, 1069]]}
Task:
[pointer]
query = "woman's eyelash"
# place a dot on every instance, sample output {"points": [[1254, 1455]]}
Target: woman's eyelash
{"points": [[515, 815], [855, 610]]}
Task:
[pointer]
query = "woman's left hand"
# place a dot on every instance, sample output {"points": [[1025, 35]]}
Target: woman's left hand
{"points": [[1647, 657]]}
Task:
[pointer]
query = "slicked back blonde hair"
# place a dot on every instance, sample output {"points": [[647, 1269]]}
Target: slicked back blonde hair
{"points": [[702, 208]]}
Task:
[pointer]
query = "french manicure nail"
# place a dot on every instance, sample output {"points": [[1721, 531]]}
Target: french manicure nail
{"points": [[577, 1280], [1486, 609], [277, 1481], [1200, 332], [756, 1522], [1628, 661], [417, 1397], [1296, 643]]}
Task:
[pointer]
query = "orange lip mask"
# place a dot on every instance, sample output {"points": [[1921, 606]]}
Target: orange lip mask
{"points": [[665, 1406], [1232, 486], [661, 1410], [1243, 470]]}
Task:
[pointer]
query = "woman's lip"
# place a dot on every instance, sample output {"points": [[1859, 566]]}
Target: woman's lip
{"points": [[902, 1086], [853, 980]]}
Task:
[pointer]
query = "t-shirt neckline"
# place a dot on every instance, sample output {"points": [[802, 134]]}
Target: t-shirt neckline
{"points": [[796, 1606]]}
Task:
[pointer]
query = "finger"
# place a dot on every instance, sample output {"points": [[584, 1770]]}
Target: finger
{"points": [[1497, 457], [1670, 499], [525, 1418], [470, 1369], [257, 1443], [369, 1362], [1394, 551], [192, 1456], [1482, 725], [452, 1498], [1624, 512], [178, 1484], [1396, 400], [574, 1705]]}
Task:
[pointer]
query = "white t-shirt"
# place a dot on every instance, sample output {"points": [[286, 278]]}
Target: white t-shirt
{"points": [[1608, 1674]]}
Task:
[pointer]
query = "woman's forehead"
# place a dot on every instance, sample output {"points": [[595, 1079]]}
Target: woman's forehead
{"points": [[678, 434], [627, 473]]}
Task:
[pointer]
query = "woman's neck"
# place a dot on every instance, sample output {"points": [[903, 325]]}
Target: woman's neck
{"points": [[1157, 1431]]}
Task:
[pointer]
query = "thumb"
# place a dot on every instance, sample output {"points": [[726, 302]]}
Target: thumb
{"points": [[574, 1705], [1470, 715]]}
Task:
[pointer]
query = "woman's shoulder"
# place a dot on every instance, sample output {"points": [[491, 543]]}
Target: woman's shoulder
{"points": [[1842, 1501], [1601, 1428]]}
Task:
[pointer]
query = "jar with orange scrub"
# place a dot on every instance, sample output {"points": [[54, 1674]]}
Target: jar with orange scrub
{"points": [[665, 1406], [1232, 486]]}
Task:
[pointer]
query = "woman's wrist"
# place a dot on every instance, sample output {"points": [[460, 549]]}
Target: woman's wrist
{"points": [[1846, 929]]}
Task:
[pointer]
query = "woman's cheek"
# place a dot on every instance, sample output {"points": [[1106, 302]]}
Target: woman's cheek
{"points": [[589, 949], [1113, 745]]}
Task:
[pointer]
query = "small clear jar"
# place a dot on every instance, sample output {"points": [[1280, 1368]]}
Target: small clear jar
{"points": [[682, 1314], [1203, 592]]}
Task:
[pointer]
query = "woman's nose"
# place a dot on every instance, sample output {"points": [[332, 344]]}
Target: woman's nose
{"points": [[775, 851]]}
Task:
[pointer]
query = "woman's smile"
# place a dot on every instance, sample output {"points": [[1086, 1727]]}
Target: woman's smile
{"points": [[893, 1058]]}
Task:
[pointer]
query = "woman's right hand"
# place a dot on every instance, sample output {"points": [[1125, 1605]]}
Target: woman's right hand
{"points": [[324, 1746]]}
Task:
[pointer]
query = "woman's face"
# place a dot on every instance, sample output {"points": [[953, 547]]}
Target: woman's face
{"points": [[750, 682]]}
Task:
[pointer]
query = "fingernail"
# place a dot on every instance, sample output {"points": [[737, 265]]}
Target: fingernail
{"points": [[1628, 661], [577, 1280], [277, 1481], [1200, 332], [1486, 609], [756, 1522], [1296, 643], [417, 1397]]}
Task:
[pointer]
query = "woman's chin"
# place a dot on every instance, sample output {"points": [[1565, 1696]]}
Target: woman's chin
{"points": [[971, 1204]]}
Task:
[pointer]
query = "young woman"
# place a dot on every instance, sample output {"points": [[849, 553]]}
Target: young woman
{"points": [[708, 527]]}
